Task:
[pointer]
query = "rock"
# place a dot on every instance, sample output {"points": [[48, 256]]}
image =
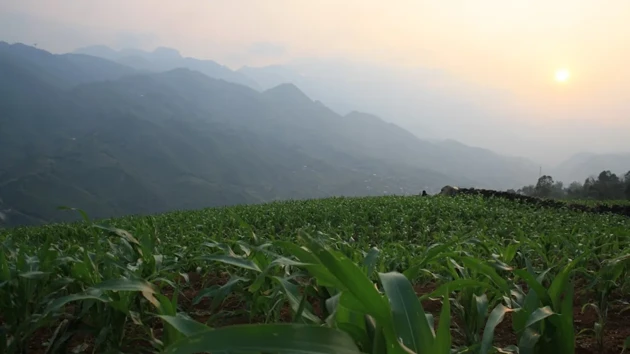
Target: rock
{"points": [[449, 190]]}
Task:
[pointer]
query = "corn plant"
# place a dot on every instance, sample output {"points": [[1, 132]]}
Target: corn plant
{"points": [[604, 282], [543, 317], [126, 286]]}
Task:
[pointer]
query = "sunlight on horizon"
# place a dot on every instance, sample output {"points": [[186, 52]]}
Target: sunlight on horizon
{"points": [[562, 75]]}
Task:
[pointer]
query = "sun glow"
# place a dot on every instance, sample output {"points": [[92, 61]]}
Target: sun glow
{"points": [[562, 75]]}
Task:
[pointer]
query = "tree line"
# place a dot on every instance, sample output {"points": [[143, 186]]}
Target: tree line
{"points": [[607, 186]]}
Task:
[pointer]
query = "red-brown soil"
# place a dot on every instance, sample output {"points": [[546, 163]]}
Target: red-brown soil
{"points": [[616, 331]]}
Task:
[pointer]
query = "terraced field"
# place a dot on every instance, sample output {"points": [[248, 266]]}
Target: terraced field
{"points": [[466, 274]]}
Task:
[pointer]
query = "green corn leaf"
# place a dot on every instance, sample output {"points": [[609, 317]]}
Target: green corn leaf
{"points": [[482, 304], [351, 322], [487, 270], [455, 285], [534, 285], [292, 293], [496, 317], [314, 266], [560, 282], [378, 343], [218, 291], [442, 343], [541, 277], [34, 275], [566, 333], [431, 321], [5, 271], [433, 252], [410, 320], [528, 341], [510, 251], [332, 303], [184, 324], [282, 261], [370, 260], [84, 215], [352, 279], [167, 307], [539, 315], [276, 338], [62, 301], [232, 260], [520, 317], [125, 284]]}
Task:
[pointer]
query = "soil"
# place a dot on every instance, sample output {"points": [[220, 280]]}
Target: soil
{"points": [[616, 331]]}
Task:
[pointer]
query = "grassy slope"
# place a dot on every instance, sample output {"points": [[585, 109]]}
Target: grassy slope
{"points": [[401, 227], [177, 140], [370, 220]]}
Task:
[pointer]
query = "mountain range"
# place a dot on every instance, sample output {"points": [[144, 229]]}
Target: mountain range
{"points": [[133, 132], [164, 59], [422, 98], [582, 165]]}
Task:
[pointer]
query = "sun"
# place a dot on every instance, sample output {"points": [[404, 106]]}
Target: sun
{"points": [[562, 75]]}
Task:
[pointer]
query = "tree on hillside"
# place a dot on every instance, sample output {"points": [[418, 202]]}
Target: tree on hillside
{"points": [[609, 186], [527, 190], [575, 190], [557, 190], [589, 188], [606, 186], [544, 187]]}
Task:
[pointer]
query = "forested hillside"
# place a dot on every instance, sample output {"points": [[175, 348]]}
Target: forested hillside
{"points": [[115, 144], [605, 186]]}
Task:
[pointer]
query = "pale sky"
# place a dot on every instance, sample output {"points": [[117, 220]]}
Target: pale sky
{"points": [[513, 46]]}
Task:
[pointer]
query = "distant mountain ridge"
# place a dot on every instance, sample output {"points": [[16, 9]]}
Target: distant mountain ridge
{"points": [[145, 143], [583, 165], [112, 139], [62, 70], [499, 171], [164, 59]]}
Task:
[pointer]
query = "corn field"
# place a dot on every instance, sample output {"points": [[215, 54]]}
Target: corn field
{"points": [[434, 275]]}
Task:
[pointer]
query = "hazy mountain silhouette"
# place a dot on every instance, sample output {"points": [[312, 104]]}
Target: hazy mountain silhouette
{"points": [[344, 88], [346, 93], [584, 165], [429, 103], [65, 70], [164, 59], [81, 133], [113, 139]]}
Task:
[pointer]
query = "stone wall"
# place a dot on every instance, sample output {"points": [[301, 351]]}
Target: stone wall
{"points": [[550, 203]]}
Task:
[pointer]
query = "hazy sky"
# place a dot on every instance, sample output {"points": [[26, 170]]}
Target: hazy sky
{"points": [[513, 46]]}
